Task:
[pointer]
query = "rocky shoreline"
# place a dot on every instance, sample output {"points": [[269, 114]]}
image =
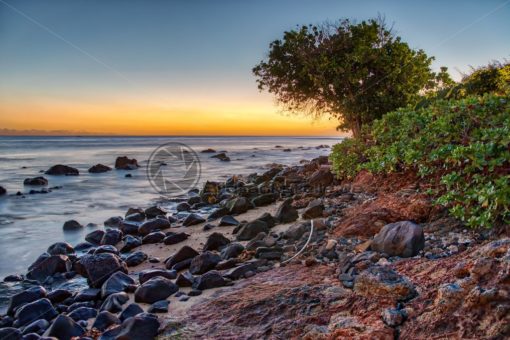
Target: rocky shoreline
{"points": [[381, 262]]}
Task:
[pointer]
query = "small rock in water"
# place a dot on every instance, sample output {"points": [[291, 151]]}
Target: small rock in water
{"points": [[113, 222], [60, 248], [222, 157], [36, 181], [125, 163], [72, 225], [99, 168], [62, 170]]}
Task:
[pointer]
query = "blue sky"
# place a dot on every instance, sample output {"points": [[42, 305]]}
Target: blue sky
{"points": [[180, 51]]}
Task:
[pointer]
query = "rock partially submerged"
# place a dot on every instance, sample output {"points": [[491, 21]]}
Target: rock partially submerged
{"points": [[99, 168], [125, 163], [62, 170]]}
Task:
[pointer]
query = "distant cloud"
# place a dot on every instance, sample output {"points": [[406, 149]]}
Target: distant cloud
{"points": [[34, 132]]}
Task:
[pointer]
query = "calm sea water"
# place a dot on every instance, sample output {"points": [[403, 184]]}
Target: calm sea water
{"points": [[30, 223]]}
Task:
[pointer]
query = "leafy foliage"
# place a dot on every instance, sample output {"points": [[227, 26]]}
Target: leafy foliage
{"points": [[352, 72], [462, 144]]}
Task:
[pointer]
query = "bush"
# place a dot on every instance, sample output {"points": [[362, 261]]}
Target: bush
{"points": [[462, 145]]}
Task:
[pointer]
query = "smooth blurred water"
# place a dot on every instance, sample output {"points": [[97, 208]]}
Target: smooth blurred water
{"points": [[29, 224]]}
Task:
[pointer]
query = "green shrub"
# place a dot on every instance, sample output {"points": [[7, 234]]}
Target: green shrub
{"points": [[462, 144]]}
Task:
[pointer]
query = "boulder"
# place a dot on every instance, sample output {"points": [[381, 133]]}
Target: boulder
{"points": [[60, 248], [131, 310], [98, 168], [183, 206], [136, 217], [2, 191], [124, 163], [49, 266], [104, 320], [154, 237], [59, 295], [111, 237], [129, 227], [83, 313], [105, 249], [286, 213], [82, 246], [313, 210], [209, 150], [95, 237], [38, 326], [29, 295], [220, 212], [238, 205], [222, 157], [129, 243], [173, 238], [141, 326], [88, 294], [62, 170], [72, 225], [192, 219], [266, 217], [264, 199], [216, 241], [153, 225], [185, 279], [383, 281], [252, 229], [240, 271], [148, 274], [157, 288], [204, 262], [403, 238], [159, 307], [64, 328], [321, 178], [232, 250], [39, 309], [211, 279], [113, 303], [295, 231], [228, 221], [136, 258], [10, 333], [186, 252], [35, 181], [113, 222], [154, 211], [98, 268], [118, 282]]}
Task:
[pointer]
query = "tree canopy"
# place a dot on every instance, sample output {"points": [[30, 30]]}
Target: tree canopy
{"points": [[353, 72]]}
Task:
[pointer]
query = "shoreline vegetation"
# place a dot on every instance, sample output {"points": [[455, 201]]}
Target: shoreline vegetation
{"points": [[411, 219]]}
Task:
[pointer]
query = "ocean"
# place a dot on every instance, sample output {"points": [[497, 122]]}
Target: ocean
{"points": [[29, 223]]}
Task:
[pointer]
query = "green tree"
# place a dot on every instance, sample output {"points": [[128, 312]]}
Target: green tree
{"points": [[351, 72]]}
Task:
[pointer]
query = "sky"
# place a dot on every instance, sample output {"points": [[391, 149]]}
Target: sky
{"points": [[184, 67]]}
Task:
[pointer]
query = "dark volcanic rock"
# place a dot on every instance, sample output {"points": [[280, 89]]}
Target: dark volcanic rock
{"points": [[104, 320], [154, 237], [314, 209], [321, 178], [154, 211], [2, 191], [157, 288], [222, 157], [384, 282], [72, 225], [403, 238], [131, 310], [113, 303], [13, 278], [211, 279], [217, 214], [141, 326], [286, 213], [111, 237], [82, 246], [64, 328], [148, 274], [228, 221], [183, 206], [136, 258], [98, 168], [173, 238], [124, 163], [159, 307], [238, 205], [88, 294], [252, 229], [38, 326], [208, 151], [48, 267], [266, 217], [184, 253], [136, 217], [98, 268], [204, 262], [185, 279], [59, 295], [60, 248], [240, 271], [35, 181], [113, 222], [130, 242], [153, 225], [39, 309], [128, 227], [232, 250], [60, 169], [83, 313], [105, 249], [10, 333], [264, 199], [30, 295], [192, 219], [181, 265], [216, 241], [95, 236], [116, 283]]}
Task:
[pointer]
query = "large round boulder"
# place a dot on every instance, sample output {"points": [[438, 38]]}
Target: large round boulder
{"points": [[99, 267], [403, 238], [62, 170]]}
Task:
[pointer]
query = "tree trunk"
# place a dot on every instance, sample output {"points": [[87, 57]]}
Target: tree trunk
{"points": [[356, 127]]}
